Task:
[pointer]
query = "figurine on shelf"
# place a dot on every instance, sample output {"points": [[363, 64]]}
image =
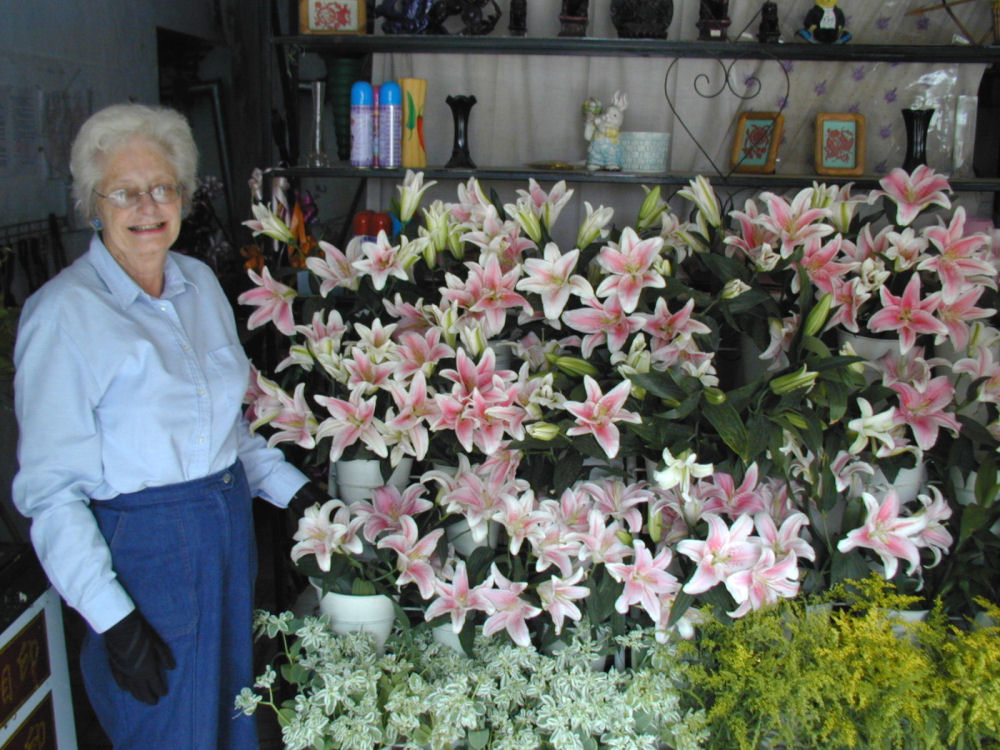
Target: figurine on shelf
{"points": [[713, 20], [601, 126], [404, 16], [824, 23], [573, 18], [768, 32], [477, 17]]}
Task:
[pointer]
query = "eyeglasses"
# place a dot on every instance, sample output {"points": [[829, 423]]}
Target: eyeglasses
{"points": [[129, 197]]}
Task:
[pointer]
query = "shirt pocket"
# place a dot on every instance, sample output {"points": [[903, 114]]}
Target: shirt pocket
{"points": [[228, 373]]}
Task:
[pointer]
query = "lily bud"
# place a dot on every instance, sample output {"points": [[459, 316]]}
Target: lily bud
{"points": [[795, 419], [624, 536], [818, 315], [801, 378], [655, 523], [542, 431], [715, 396], [651, 208], [734, 288], [572, 365]]}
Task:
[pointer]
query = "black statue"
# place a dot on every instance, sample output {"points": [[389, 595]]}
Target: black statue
{"points": [[477, 17], [404, 16], [518, 25], [769, 33], [713, 20], [642, 19]]}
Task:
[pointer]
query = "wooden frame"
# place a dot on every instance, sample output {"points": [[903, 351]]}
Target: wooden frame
{"points": [[332, 16], [755, 146], [839, 149]]}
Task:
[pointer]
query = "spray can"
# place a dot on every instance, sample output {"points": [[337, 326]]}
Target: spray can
{"points": [[362, 124], [390, 125]]}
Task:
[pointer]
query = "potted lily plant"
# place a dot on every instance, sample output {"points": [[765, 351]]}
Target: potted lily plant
{"points": [[753, 488]]}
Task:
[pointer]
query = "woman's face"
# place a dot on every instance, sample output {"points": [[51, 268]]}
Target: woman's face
{"points": [[140, 233]]}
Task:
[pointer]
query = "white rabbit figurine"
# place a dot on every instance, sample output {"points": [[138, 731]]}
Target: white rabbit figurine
{"points": [[601, 127]]}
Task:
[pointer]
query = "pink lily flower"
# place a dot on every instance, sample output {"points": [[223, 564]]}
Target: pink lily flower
{"points": [[547, 206], [273, 301], [646, 580], [296, 422], [819, 264], [457, 599], [958, 262], [508, 610], [922, 407], [724, 552], [387, 508], [602, 322], [555, 547], [630, 268], [380, 260], [764, 583], [557, 596], [908, 314], [751, 235], [666, 326], [553, 279], [848, 297], [487, 290], [262, 398], [934, 536], [596, 416], [982, 366], [786, 539], [420, 352], [723, 496], [350, 421], [336, 269], [618, 500], [847, 472], [413, 556], [963, 308], [365, 375], [601, 542], [793, 223], [500, 239], [472, 203], [912, 193], [321, 535], [886, 533]]}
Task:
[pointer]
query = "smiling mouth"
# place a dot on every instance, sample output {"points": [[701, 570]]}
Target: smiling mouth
{"points": [[147, 227]]}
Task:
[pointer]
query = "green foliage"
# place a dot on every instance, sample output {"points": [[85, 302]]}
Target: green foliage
{"points": [[843, 671]]}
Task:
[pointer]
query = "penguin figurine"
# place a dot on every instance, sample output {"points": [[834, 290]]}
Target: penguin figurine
{"points": [[824, 24]]}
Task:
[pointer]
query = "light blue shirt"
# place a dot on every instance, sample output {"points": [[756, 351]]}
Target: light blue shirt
{"points": [[115, 391]]}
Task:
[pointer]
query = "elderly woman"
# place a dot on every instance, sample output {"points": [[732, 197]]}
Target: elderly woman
{"points": [[136, 467]]}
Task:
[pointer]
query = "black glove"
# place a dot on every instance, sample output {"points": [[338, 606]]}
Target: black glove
{"points": [[307, 496], [138, 658]]}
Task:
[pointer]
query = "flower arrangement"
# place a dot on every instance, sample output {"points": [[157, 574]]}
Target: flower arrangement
{"points": [[630, 473]]}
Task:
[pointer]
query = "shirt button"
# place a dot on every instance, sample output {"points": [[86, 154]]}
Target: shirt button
{"points": [[201, 438], [201, 391]]}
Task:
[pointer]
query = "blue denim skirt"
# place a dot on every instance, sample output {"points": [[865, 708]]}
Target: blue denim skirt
{"points": [[186, 555]]}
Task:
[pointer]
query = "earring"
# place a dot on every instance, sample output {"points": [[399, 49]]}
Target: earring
{"points": [[96, 224]]}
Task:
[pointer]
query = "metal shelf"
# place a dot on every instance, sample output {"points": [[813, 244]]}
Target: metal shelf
{"points": [[514, 174], [348, 45]]}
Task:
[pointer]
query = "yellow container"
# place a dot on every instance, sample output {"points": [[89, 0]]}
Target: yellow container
{"points": [[414, 152]]}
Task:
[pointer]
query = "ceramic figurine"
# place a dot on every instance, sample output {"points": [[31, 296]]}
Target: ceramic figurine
{"points": [[824, 23], [601, 127], [573, 18], [404, 16], [479, 17], [768, 32]]}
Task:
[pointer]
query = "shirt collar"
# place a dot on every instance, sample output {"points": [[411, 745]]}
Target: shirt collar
{"points": [[122, 287]]}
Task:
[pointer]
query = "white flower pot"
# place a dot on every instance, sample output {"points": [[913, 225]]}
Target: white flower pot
{"points": [[444, 635], [870, 348], [350, 614], [355, 479], [907, 483], [465, 543]]}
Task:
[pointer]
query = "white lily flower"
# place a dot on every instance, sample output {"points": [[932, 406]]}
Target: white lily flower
{"points": [[411, 192], [594, 226], [703, 196], [267, 223], [871, 426], [680, 470]]}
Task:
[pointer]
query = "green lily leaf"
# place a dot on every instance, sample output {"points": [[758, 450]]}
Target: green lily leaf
{"points": [[726, 420]]}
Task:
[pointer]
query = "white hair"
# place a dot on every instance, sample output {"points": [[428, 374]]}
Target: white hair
{"points": [[113, 126]]}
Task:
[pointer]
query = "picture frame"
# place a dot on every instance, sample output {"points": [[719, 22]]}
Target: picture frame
{"points": [[332, 16], [755, 144], [839, 149]]}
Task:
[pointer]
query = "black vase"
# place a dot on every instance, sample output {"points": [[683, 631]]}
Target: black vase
{"points": [[461, 106], [917, 122], [642, 19]]}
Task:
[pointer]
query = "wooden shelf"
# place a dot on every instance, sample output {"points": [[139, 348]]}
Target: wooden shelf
{"points": [[515, 174], [348, 45]]}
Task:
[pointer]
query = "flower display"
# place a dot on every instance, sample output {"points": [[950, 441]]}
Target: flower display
{"points": [[585, 405]]}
